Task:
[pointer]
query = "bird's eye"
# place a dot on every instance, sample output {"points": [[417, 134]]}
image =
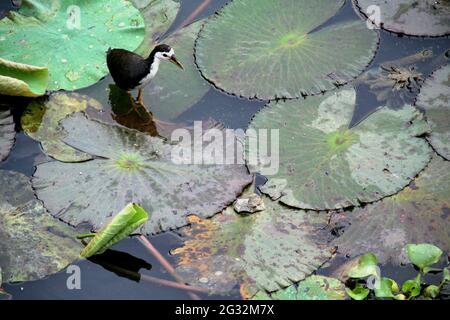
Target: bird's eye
{"points": [[165, 55]]}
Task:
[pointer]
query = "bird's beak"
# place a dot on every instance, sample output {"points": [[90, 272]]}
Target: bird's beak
{"points": [[174, 60]]}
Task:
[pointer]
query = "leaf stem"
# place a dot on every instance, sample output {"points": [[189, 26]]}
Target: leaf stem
{"points": [[164, 263]]}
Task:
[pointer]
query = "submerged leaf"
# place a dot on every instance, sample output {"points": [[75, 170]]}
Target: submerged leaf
{"points": [[418, 214], [271, 49], [326, 165], [32, 243], [130, 167], [434, 98], [120, 227], [411, 17], [71, 39], [41, 118], [7, 133], [269, 250], [423, 255], [17, 79]]}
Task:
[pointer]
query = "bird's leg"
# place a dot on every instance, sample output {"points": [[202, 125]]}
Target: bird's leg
{"points": [[139, 97]]}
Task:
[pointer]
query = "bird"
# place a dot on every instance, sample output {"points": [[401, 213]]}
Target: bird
{"points": [[131, 71]]}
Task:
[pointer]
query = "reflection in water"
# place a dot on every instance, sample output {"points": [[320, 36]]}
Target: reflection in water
{"points": [[121, 263]]}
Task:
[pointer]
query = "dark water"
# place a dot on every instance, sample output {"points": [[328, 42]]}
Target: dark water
{"points": [[99, 283]]}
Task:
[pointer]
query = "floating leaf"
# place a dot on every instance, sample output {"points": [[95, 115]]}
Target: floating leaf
{"points": [[411, 17], [7, 133], [312, 288], [413, 287], [269, 250], [17, 79], [418, 214], [423, 255], [326, 165], [70, 38], [367, 266], [173, 91], [131, 167], [431, 292], [32, 243], [358, 293], [434, 98], [386, 288], [271, 49], [41, 118], [120, 227]]}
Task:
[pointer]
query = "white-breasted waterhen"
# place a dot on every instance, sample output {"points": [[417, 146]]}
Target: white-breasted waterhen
{"points": [[131, 71]]}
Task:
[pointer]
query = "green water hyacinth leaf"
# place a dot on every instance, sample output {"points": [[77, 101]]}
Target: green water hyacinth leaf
{"points": [[431, 292], [358, 293], [268, 250], [423, 255], [131, 167], [367, 266], [434, 99], [325, 165], [7, 133], [411, 17], [17, 79], [282, 49], [387, 288], [70, 37], [32, 243], [312, 288], [418, 214], [120, 227], [41, 118], [413, 287]]}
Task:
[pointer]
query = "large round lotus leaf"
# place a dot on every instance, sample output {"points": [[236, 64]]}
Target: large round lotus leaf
{"points": [[7, 133], [272, 49], [269, 250], [418, 214], [40, 121], [32, 243], [70, 37], [173, 91], [411, 17], [326, 165], [434, 98], [312, 288], [132, 167]]}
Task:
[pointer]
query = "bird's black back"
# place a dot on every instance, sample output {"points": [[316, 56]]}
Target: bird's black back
{"points": [[127, 68]]}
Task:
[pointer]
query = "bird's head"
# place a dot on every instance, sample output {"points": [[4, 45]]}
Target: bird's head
{"points": [[165, 52]]}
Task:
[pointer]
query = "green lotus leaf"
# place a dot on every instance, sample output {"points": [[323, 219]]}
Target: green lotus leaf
{"points": [[411, 17], [326, 165], [270, 49], [7, 133], [367, 266], [120, 227], [70, 37], [434, 98], [17, 79], [131, 167], [358, 293], [312, 288], [268, 250], [173, 91], [40, 122], [32, 243], [423, 255], [418, 214]]}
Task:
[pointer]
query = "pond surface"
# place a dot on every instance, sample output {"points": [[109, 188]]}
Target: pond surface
{"points": [[233, 112]]}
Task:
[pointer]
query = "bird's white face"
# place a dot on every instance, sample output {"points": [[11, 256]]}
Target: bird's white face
{"points": [[165, 55]]}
